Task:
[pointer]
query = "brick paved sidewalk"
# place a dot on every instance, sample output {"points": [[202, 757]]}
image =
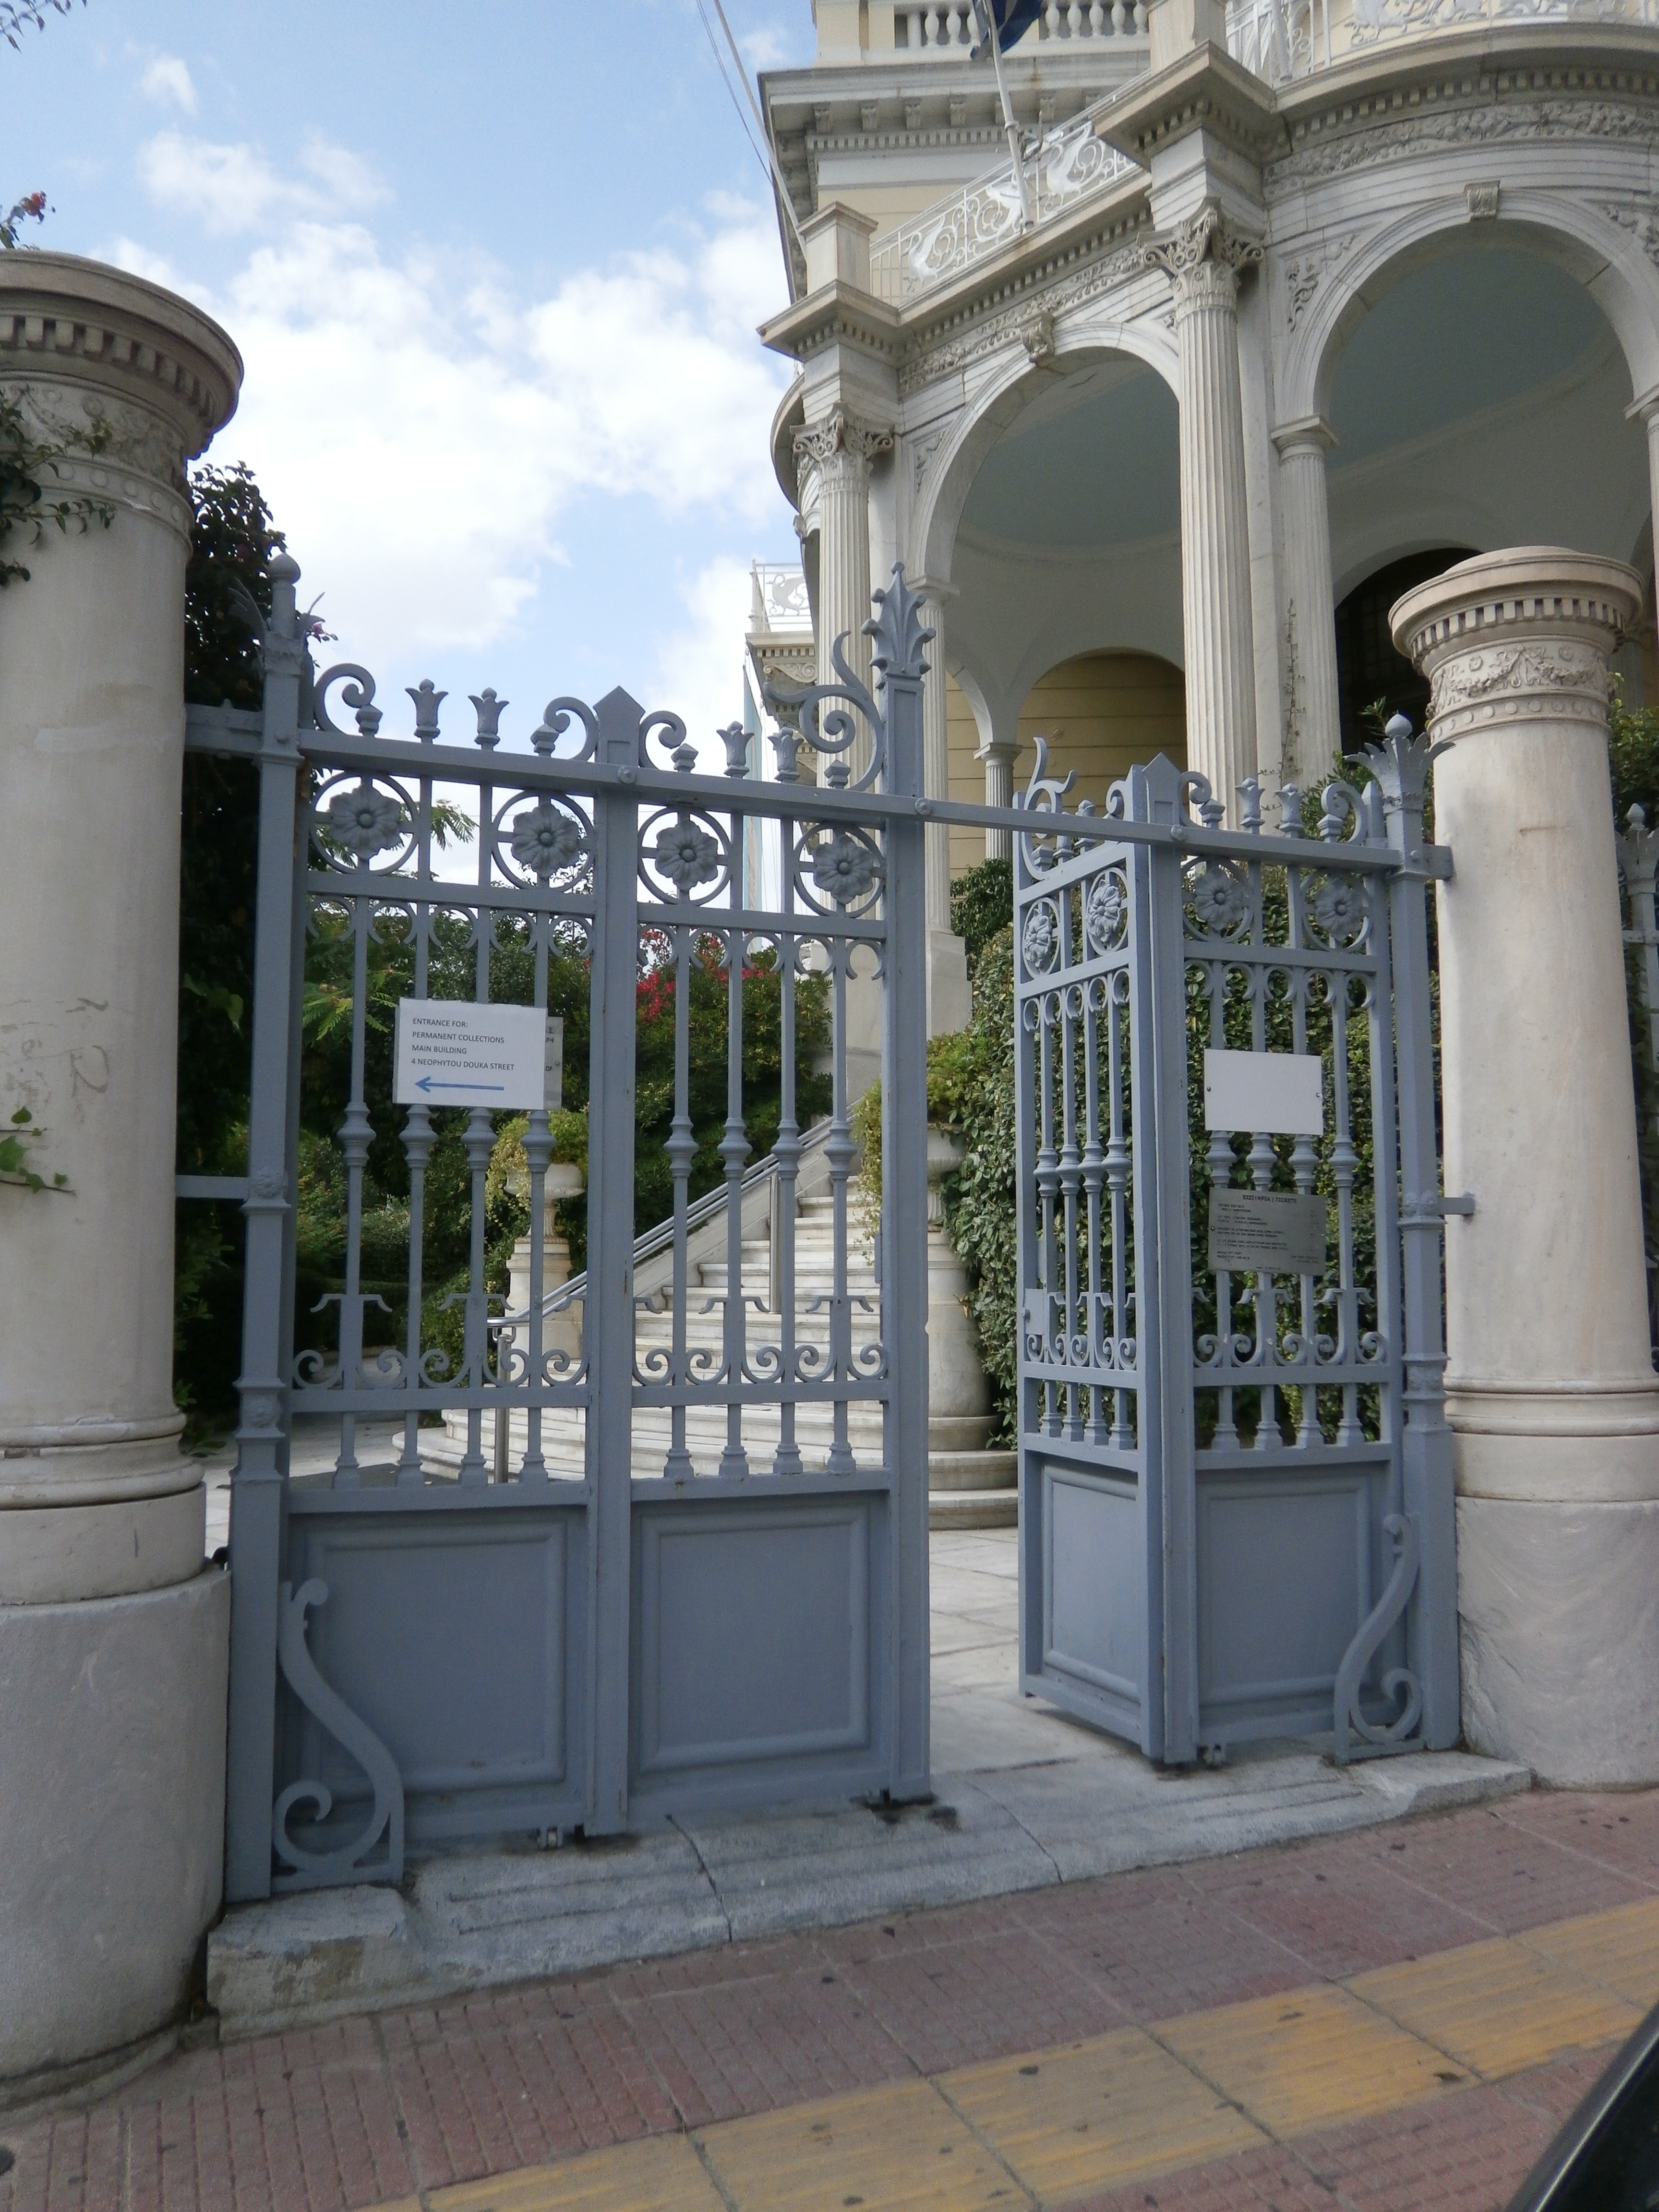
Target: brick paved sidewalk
{"points": [[1432, 2084]]}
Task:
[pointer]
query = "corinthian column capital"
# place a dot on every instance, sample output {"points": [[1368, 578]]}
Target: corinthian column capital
{"points": [[1202, 259], [839, 434]]}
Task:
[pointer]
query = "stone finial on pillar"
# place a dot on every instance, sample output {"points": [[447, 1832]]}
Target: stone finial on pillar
{"points": [[1202, 261], [1551, 1391]]}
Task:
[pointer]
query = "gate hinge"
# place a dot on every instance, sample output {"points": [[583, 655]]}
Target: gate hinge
{"points": [[1430, 1206]]}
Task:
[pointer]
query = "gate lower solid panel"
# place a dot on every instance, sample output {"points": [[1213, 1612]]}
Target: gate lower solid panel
{"points": [[754, 1627], [1260, 1543]]}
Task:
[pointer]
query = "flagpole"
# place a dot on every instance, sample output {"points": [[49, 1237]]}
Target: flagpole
{"points": [[986, 10]]}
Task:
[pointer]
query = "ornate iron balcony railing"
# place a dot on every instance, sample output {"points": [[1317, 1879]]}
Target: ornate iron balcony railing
{"points": [[981, 216]]}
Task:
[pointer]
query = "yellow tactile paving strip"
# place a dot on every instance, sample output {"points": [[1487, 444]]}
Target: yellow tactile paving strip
{"points": [[1049, 2127]]}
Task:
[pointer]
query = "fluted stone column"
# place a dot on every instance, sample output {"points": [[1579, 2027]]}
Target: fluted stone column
{"points": [[998, 756], [839, 450], [949, 999], [1551, 1390], [1202, 261], [112, 1639], [1314, 734]]}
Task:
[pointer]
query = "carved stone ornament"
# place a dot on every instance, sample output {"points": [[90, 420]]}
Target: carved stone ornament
{"points": [[1305, 274], [1490, 119], [1549, 669], [1481, 200], [1202, 243], [840, 433], [1006, 327], [1037, 336], [1640, 220]]}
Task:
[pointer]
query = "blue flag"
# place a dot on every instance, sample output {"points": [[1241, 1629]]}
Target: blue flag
{"points": [[1011, 18]]}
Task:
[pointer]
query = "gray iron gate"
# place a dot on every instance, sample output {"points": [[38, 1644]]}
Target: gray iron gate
{"points": [[1235, 1485], [684, 1563]]}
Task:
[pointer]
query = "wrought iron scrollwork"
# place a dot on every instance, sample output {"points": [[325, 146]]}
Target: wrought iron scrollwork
{"points": [[1400, 1683], [350, 1862]]}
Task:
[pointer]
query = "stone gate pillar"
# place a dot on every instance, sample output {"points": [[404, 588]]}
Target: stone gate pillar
{"points": [[112, 1638], [1551, 1390]]}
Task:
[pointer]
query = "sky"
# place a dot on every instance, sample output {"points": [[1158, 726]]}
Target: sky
{"points": [[495, 272]]}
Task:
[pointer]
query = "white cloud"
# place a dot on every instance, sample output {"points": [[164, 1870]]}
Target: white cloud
{"points": [[422, 432], [767, 47], [168, 78], [698, 669], [232, 189]]}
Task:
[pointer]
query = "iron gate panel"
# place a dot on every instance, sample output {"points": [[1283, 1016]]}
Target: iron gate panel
{"points": [[662, 1550], [1235, 1484]]}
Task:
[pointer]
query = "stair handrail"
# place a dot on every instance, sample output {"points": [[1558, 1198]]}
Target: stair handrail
{"points": [[660, 1239]]}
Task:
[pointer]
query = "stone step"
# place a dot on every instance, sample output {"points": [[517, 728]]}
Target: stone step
{"points": [[972, 1470], [973, 1509]]}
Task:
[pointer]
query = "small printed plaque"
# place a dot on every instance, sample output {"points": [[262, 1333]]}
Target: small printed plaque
{"points": [[453, 1053], [1266, 1231], [1275, 1094], [553, 1066]]}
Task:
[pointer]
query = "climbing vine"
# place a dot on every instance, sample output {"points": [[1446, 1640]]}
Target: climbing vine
{"points": [[25, 462]]}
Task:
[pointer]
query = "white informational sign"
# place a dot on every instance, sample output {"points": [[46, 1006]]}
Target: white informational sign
{"points": [[1272, 1094], [452, 1053], [553, 1066]]}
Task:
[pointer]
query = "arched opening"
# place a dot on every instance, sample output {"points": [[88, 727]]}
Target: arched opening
{"points": [[1479, 403], [1369, 674], [1065, 563]]}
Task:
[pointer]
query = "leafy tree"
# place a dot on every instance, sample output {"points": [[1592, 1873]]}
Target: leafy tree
{"points": [[982, 904], [16, 15]]}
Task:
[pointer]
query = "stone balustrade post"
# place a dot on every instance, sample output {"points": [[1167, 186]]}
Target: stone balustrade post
{"points": [[1551, 1391], [1202, 261], [112, 1638], [1313, 715]]}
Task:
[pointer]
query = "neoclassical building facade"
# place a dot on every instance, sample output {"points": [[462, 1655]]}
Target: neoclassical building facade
{"points": [[1300, 304]]}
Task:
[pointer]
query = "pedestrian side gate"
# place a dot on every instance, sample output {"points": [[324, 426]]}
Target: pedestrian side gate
{"points": [[1235, 1484]]}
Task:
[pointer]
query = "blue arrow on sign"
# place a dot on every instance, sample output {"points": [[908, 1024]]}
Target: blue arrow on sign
{"points": [[431, 1083]]}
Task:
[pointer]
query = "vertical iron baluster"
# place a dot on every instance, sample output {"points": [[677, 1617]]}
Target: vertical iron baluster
{"points": [[1344, 1163], [1263, 1160], [839, 1152], [682, 1150], [1118, 1163], [781, 1287], [1094, 1174], [1219, 1158], [1071, 1162], [480, 1141], [1304, 1162], [538, 1150], [734, 1150], [356, 1133], [417, 1151], [1047, 1183]]}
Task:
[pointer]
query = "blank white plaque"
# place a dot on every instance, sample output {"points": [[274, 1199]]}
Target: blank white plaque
{"points": [[1276, 1094]]}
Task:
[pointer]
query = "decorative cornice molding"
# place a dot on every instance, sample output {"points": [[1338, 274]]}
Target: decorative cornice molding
{"points": [[70, 322], [835, 314], [1483, 108], [1206, 90]]}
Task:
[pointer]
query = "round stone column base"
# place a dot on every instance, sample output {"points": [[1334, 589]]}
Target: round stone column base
{"points": [[1559, 1629], [111, 1816], [62, 1554]]}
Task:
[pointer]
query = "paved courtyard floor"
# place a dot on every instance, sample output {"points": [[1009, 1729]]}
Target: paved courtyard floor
{"points": [[1397, 2017]]}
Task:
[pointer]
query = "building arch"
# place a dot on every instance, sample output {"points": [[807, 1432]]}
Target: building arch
{"points": [[1577, 238], [993, 409]]}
